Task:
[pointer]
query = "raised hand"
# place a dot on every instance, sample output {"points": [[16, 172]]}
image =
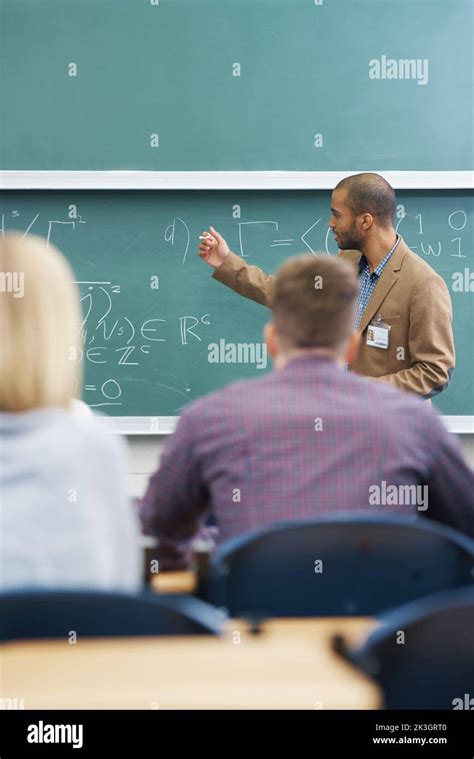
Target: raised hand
{"points": [[212, 248]]}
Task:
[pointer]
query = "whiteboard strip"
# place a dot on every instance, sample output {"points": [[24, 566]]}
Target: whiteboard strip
{"points": [[225, 180], [165, 425]]}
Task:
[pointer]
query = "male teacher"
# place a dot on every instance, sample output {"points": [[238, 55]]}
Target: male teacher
{"points": [[404, 312]]}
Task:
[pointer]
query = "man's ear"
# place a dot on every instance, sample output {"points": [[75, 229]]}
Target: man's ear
{"points": [[367, 221], [353, 347], [271, 339]]}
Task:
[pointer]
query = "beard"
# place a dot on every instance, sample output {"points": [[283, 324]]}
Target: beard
{"points": [[350, 240]]}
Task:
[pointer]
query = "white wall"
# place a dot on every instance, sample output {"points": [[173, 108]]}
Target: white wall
{"points": [[145, 450]]}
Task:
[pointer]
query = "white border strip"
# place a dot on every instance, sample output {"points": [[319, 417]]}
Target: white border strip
{"points": [[139, 425], [461, 425], [223, 180], [165, 425]]}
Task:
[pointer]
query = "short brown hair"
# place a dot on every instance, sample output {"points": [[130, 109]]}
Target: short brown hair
{"points": [[370, 193], [313, 301]]}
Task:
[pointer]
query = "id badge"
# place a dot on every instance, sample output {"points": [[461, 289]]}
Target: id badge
{"points": [[378, 334]]}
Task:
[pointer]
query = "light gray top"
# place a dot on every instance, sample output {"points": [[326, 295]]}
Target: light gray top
{"points": [[65, 520]]}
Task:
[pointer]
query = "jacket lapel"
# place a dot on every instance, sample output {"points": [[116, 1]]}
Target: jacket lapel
{"points": [[387, 280]]}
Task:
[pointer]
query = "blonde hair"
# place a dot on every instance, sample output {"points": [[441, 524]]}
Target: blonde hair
{"points": [[40, 317], [313, 301]]}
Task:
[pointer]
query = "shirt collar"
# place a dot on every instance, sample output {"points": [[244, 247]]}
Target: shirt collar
{"points": [[378, 271]]}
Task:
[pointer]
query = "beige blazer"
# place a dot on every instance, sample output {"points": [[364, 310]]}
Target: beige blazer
{"points": [[410, 296]]}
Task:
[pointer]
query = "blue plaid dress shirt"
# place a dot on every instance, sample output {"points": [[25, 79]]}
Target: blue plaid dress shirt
{"points": [[368, 282]]}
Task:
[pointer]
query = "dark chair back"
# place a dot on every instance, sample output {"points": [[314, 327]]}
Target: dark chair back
{"points": [[58, 614], [423, 654], [336, 566]]}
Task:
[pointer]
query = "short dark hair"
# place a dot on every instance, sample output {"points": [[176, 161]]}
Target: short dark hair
{"points": [[313, 301], [370, 193]]}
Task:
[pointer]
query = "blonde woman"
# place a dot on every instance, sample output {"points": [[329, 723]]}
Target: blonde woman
{"points": [[65, 521]]}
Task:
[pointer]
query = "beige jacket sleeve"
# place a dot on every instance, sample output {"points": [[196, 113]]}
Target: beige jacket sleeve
{"points": [[430, 341], [247, 280]]}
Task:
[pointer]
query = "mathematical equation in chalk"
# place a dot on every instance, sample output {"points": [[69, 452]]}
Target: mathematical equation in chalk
{"points": [[318, 238], [413, 225], [109, 337], [45, 231]]}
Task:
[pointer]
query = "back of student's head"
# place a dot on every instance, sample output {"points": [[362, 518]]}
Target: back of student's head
{"points": [[313, 302], [39, 323]]}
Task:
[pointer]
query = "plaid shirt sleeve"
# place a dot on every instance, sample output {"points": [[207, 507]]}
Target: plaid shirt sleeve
{"points": [[451, 480], [176, 499]]}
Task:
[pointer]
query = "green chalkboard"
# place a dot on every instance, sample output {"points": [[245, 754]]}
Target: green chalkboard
{"points": [[151, 308], [206, 85]]}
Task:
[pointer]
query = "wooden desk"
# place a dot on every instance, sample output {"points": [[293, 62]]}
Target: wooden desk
{"points": [[289, 665], [174, 582]]}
